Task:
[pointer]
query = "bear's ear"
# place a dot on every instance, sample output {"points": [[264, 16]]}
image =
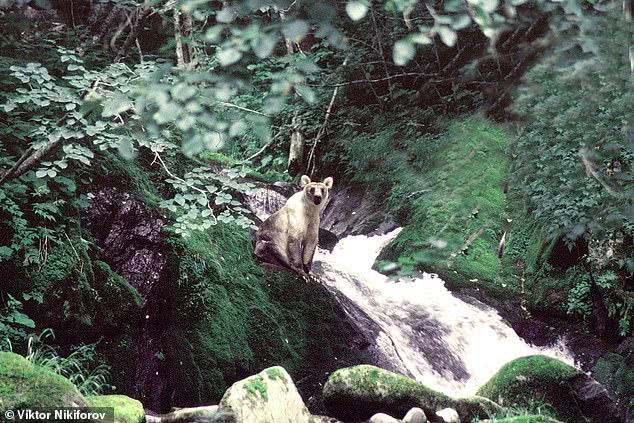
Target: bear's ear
{"points": [[328, 182], [305, 180]]}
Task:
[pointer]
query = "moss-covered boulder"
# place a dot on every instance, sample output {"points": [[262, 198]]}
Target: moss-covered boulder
{"points": [[573, 395], [356, 393], [126, 409], [24, 385], [268, 397]]}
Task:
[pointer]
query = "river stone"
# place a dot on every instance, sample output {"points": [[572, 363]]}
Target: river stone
{"points": [[268, 397], [382, 418], [126, 409], [207, 414], [356, 393], [573, 395], [415, 415], [449, 415]]}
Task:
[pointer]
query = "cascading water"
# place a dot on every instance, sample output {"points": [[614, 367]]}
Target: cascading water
{"points": [[423, 330]]}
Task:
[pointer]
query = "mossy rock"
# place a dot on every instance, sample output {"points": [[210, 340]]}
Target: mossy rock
{"points": [[24, 385], [268, 397], [538, 378], [356, 393], [126, 409]]}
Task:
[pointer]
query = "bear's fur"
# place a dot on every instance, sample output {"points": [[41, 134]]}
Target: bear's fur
{"points": [[288, 238]]}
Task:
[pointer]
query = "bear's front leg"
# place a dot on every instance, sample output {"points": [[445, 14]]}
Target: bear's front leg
{"points": [[295, 255], [309, 250]]}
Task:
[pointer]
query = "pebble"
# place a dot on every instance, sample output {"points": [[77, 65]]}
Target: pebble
{"points": [[415, 415], [449, 415]]}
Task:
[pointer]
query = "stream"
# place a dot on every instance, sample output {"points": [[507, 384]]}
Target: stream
{"points": [[419, 326]]}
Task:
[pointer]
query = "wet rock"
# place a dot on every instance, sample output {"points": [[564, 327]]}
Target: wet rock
{"points": [[382, 418], [268, 397], [415, 415], [129, 234], [264, 201], [594, 400], [325, 419], [356, 210], [574, 395], [356, 393], [449, 415], [126, 409], [24, 385], [207, 414]]}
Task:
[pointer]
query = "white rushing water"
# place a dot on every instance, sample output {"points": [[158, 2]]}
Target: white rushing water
{"points": [[424, 330]]}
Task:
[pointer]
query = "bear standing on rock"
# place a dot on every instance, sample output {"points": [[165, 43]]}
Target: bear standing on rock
{"points": [[288, 238]]}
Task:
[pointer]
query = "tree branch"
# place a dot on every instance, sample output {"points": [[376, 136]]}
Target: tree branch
{"points": [[322, 130]]}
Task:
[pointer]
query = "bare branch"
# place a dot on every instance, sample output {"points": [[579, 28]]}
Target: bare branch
{"points": [[322, 130]]}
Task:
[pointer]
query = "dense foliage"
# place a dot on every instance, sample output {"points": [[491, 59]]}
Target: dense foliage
{"points": [[574, 158]]}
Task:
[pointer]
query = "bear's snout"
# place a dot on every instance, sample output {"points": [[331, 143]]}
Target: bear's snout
{"points": [[317, 200]]}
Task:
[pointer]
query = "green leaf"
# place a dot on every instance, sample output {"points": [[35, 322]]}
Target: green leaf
{"points": [[226, 15], [22, 319], [70, 106], [228, 56], [295, 30], [126, 150], [263, 45], [490, 5], [356, 10], [447, 35], [461, 22], [404, 51], [306, 93], [116, 104], [41, 173]]}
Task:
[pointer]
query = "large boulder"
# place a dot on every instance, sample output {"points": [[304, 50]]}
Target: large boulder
{"points": [[268, 397], [27, 386], [574, 396], [357, 393], [126, 409]]}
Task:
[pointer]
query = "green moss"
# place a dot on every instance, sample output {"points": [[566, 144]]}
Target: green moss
{"points": [[454, 205], [130, 176], [257, 386], [535, 378], [361, 391], [126, 409], [275, 373], [23, 385], [236, 318], [66, 280]]}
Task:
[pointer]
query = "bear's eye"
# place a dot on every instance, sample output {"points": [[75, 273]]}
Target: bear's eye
{"points": [[312, 190]]}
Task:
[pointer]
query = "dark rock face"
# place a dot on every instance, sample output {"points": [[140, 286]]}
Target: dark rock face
{"points": [[594, 400], [356, 210], [130, 236]]}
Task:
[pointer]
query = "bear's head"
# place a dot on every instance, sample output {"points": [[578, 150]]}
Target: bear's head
{"points": [[316, 192]]}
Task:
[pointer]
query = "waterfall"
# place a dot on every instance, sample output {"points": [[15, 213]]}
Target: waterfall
{"points": [[420, 326]]}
